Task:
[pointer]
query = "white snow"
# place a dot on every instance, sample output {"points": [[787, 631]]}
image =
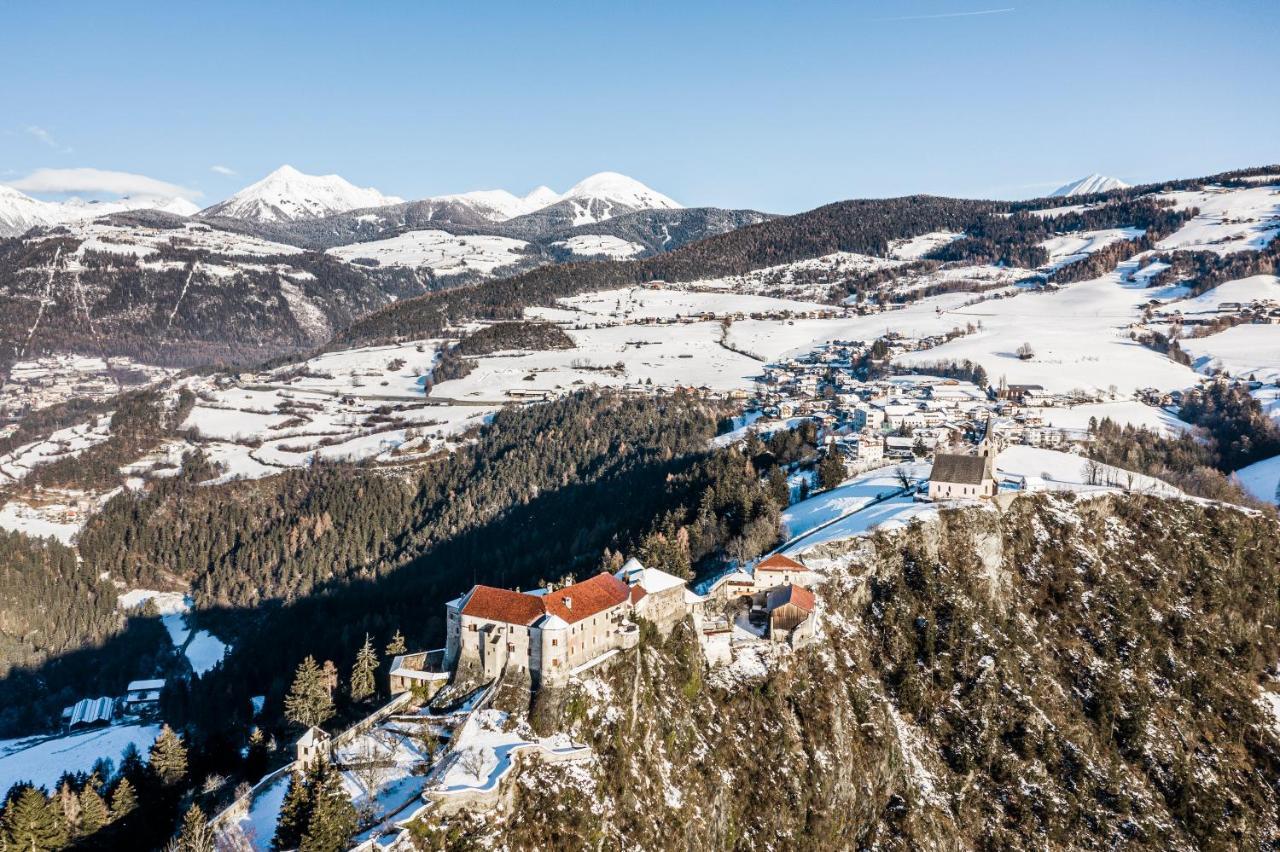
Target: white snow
{"points": [[1230, 220], [1076, 245], [1262, 479], [917, 247], [439, 251], [1242, 290], [591, 245], [287, 194], [847, 498], [1242, 351], [19, 212], [42, 760], [204, 651], [257, 826], [1089, 185], [1051, 470]]}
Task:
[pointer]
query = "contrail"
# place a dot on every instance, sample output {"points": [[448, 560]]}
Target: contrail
{"points": [[948, 15]]}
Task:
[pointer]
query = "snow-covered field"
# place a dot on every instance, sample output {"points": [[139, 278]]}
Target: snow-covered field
{"points": [[638, 304], [1123, 412], [42, 760], [1068, 248], [917, 247], [1242, 351], [670, 355], [1078, 335], [1262, 479], [801, 279], [849, 497], [1230, 220], [1242, 290], [593, 245], [1052, 470], [441, 252]]}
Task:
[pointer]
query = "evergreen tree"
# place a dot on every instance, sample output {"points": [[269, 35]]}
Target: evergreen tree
{"points": [[831, 470], [294, 813], [778, 488], [168, 757], [308, 702], [124, 800], [333, 818], [33, 823], [396, 645], [362, 685], [93, 810], [196, 835]]}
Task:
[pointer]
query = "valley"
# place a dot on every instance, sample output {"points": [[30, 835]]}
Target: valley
{"points": [[290, 445]]}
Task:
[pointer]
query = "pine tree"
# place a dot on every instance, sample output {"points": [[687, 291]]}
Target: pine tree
{"points": [[196, 835], [779, 490], [123, 800], [396, 645], [362, 672], [33, 823], [295, 810], [333, 818], [308, 702], [93, 810], [168, 757], [831, 470]]}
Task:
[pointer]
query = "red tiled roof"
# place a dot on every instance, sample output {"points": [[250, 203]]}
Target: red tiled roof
{"points": [[637, 592], [503, 605], [797, 595], [778, 562], [589, 597]]}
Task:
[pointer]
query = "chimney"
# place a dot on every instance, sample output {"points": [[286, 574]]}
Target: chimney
{"points": [[568, 602]]}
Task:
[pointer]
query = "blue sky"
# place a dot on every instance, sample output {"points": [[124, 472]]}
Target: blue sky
{"points": [[777, 106]]}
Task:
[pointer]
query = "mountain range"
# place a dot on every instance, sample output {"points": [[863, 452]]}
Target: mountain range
{"points": [[19, 212]]}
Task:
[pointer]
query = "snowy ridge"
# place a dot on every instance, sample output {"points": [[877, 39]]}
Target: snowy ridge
{"points": [[20, 213], [593, 199], [1089, 185], [287, 195]]}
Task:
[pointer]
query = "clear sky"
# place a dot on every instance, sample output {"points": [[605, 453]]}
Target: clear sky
{"points": [[777, 106]]}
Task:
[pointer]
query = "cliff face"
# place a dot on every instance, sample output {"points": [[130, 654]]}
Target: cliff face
{"points": [[1058, 675]]}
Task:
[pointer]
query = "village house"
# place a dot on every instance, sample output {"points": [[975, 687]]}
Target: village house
{"points": [[778, 570], [143, 696]]}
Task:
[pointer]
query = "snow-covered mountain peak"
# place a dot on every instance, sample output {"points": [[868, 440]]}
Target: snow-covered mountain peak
{"points": [[287, 195], [1089, 185], [19, 212], [619, 189]]}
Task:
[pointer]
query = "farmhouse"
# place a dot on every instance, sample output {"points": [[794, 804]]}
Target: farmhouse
{"points": [[778, 570]]}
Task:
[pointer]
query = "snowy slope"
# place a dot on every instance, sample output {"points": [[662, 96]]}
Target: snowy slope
{"points": [[287, 194], [1262, 479], [1089, 185]]}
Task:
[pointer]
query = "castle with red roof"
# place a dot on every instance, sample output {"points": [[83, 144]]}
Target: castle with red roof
{"points": [[549, 634]]}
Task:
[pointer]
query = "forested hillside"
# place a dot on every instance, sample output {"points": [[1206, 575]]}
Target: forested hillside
{"points": [[980, 685]]}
